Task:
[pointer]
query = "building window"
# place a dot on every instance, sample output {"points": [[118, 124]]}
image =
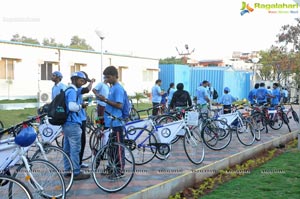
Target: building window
{"points": [[75, 67], [46, 71], [148, 75], [7, 68], [121, 72]]}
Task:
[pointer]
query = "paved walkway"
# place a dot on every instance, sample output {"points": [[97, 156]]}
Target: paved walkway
{"points": [[158, 171]]}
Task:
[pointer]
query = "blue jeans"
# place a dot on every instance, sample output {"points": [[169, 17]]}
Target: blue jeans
{"points": [[72, 146]]}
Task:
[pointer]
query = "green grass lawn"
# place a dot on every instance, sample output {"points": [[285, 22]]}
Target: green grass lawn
{"points": [[11, 117], [279, 178], [6, 101]]}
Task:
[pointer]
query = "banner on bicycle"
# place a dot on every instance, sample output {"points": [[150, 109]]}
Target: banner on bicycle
{"points": [[49, 132], [136, 124], [167, 132]]}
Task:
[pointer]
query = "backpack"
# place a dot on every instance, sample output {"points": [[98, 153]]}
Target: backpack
{"points": [[57, 109], [126, 106], [215, 94]]}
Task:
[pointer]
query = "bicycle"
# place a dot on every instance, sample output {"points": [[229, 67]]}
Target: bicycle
{"points": [[217, 132], [31, 172], [142, 140], [20, 191], [51, 153], [293, 112], [113, 165]]}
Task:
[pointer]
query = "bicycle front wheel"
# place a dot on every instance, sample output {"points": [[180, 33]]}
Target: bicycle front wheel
{"points": [[13, 188], [43, 179], [193, 145], [57, 156], [142, 143], [113, 167], [244, 132], [216, 134]]}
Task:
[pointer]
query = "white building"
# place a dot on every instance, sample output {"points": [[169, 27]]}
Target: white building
{"points": [[25, 69]]}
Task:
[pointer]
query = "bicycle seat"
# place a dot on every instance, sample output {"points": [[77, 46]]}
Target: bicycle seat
{"points": [[26, 137]]}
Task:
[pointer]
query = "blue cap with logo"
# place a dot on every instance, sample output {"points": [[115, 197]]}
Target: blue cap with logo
{"points": [[78, 74], [57, 74]]}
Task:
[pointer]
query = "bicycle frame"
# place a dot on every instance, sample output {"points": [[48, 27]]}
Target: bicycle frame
{"points": [[17, 154]]}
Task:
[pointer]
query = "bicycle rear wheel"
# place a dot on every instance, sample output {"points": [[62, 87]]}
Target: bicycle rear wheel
{"points": [[111, 170], [276, 122], [193, 145], [286, 120], [259, 124], [13, 188], [245, 133], [56, 156], [295, 116], [216, 134], [46, 176]]}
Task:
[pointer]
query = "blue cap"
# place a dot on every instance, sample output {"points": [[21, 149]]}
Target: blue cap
{"points": [[227, 89], [78, 74], [57, 74]]}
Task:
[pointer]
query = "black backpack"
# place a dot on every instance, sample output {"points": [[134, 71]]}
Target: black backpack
{"points": [[215, 94], [57, 109]]}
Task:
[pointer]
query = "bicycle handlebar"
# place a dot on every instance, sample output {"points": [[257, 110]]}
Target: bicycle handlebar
{"points": [[12, 128]]}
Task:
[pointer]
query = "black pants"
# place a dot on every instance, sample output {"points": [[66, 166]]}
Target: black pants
{"points": [[117, 153], [154, 110], [83, 140]]}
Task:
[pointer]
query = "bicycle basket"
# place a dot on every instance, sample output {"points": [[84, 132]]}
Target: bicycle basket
{"points": [[191, 118]]}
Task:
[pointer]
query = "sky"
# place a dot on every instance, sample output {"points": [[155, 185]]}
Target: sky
{"points": [[148, 28]]}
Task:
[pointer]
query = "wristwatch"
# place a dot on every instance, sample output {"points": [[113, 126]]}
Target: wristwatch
{"points": [[106, 100]]}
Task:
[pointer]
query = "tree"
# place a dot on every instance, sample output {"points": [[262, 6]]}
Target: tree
{"points": [[288, 39], [51, 42], [79, 43], [24, 39], [138, 97], [170, 60]]}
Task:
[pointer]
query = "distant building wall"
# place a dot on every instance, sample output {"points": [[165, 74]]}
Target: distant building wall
{"points": [[33, 65]]}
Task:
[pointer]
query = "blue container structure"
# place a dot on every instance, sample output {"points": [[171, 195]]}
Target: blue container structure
{"points": [[219, 77]]}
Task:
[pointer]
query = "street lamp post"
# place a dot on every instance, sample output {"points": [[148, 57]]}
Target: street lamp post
{"points": [[101, 36], [254, 60]]}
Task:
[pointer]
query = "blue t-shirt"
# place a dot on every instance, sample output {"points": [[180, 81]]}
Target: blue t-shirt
{"points": [[171, 92], [276, 93], [261, 95], [71, 96], [102, 89], [164, 98], [116, 94], [201, 92], [57, 88], [227, 99], [82, 112], [251, 95], [156, 97]]}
